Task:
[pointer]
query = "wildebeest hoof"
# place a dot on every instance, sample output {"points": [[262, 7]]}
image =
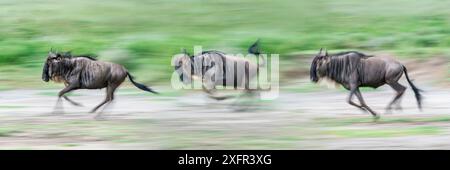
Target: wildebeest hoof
{"points": [[376, 118], [363, 111], [78, 104], [218, 97], [57, 113], [99, 118], [240, 109], [388, 111]]}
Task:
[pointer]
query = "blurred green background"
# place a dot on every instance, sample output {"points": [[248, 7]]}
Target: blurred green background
{"points": [[144, 35]]}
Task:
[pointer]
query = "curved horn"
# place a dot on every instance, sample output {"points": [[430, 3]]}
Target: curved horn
{"points": [[68, 54], [184, 51]]}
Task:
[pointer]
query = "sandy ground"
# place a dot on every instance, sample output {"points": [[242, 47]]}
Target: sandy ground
{"points": [[188, 120]]}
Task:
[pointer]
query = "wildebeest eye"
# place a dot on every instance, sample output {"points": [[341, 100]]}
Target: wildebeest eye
{"points": [[178, 66], [55, 59]]}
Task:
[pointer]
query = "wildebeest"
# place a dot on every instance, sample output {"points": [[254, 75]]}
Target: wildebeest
{"points": [[85, 72], [354, 69], [216, 68]]}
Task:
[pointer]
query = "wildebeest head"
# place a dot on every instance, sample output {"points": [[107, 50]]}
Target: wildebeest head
{"points": [[183, 64], [318, 66], [53, 63]]}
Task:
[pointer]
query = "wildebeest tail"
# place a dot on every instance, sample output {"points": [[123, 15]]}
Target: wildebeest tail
{"points": [[140, 86], [255, 49], [415, 89]]}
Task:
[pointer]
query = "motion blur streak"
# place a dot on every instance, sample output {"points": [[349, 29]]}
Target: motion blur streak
{"points": [[143, 35]]}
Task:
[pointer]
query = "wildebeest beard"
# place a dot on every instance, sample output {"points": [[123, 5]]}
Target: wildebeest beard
{"points": [[313, 70], [45, 74]]}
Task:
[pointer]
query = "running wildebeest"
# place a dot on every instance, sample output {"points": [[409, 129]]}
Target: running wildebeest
{"points": [[215, 68], [85, 72], [354, 69]]}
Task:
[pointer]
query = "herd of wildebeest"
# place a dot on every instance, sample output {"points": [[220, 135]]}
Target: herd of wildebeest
{"points": [[350, 69]]}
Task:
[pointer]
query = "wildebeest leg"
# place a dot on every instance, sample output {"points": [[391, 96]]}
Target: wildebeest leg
{"points": [[364, 105], [210, 90], [241, 103], [58, 106], [109, 97], [71, 101], [400, 91], [350, 101], [58, 109]]}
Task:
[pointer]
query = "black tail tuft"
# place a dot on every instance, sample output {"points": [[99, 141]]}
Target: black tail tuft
{"points": [[254, 48], [140, 86], [415, 89]]}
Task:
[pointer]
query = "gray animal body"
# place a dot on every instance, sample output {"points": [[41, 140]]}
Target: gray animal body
{"points": [[354, 69], [216, 68], [85, 72]]}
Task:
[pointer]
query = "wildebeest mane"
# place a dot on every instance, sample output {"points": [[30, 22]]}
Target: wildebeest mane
{"points": [[91, 57], [213, 52], [352, 52], [88, 56]]}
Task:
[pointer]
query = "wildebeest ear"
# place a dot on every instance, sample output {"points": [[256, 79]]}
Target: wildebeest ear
{"points": [[67, 54], [320, 52], [51, 51], [184, 51], [326, 52]]}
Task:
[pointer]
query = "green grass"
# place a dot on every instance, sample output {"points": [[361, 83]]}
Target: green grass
{"points": [[8, 131], [306, 87], [70, 145], [55, 93], [385, 132], [383, 120], [182, 134], [11, 107], [144, 35]]}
